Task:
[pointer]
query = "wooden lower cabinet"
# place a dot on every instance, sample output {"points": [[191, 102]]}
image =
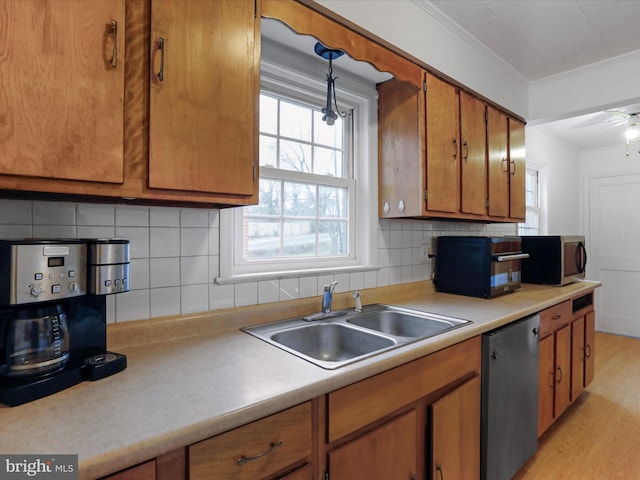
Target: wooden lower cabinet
{"points": [[566, 357], [455, 433], [387, 452], [258, 450], [393, 424]]}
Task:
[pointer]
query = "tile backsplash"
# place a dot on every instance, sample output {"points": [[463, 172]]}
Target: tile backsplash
{"points": [[175, 254]]}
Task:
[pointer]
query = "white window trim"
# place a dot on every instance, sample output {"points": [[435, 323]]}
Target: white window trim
{"points": [[365, 168]]}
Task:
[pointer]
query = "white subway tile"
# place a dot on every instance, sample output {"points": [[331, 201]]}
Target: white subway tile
{"points": [[194, 270], [164, 242], [139, 274], [95, 214], [96, 231], [356, 281], [164, 217], [54, 231], [194, 298], [138, 238], [194, 241], [15, 212], [246, 294], [221, 296], [54, 213], [214, 241], [164, 272], [308, 286], [16, 231], [194, 217], [164, 301], [132, 305], [132, 216], [268, 291], [289, 289]]}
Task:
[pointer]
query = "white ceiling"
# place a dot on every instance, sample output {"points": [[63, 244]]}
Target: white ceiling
{"points": [[541, 38]]}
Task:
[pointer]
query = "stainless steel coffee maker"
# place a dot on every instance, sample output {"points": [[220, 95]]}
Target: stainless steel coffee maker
{"points": [[53, 313]]}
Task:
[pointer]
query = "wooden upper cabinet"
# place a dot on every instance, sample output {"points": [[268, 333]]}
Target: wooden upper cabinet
{"points": [[401, 151], [474, 156], [204, 94], [443, 146], [497, 139], [62, 89], [517, 170]]}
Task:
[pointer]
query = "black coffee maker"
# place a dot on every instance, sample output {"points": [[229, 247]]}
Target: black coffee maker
{"points": [[53, 331]]}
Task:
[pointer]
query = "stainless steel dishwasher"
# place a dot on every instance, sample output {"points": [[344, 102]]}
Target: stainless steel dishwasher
{"points": [[509, 418]]}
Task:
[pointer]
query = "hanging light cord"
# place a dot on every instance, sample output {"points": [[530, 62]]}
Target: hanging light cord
{"points": [[329, 115]]}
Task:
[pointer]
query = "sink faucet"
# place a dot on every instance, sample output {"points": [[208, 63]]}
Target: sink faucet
{"points": [[327, 296]]}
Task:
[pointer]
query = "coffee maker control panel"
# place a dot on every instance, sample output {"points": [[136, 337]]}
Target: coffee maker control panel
{"points": [[38, 271]]}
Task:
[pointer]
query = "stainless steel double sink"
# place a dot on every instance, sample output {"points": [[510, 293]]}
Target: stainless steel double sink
{"points": [[348, 336]]}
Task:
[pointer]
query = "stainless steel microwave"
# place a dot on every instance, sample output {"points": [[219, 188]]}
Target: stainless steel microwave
{"points": [[554, 259]]}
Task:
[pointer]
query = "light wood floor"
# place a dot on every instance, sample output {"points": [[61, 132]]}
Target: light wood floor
{"points": [[598, 437]]}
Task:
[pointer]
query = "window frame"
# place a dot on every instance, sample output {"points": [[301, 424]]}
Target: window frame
{"points": [[285, 77], [523, 228]]}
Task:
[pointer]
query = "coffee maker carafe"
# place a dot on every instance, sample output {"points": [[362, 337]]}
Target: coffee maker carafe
{"points": [[52, 318]]}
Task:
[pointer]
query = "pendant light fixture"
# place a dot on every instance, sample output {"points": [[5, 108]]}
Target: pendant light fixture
{"points": [[328, 114], [632, 133]]}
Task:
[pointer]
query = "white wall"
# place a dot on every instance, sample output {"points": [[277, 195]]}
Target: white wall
{"points": [[558, 165], [420, 30]]}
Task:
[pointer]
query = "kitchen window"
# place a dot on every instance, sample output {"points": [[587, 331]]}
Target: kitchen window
{"points": [[531, 225], [317, 207]]}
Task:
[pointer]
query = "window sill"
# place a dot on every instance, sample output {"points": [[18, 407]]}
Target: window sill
{"points": [[277, 275]]}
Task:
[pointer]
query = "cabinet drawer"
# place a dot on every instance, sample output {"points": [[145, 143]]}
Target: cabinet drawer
{"points": [[555, 317], [255, 450]]}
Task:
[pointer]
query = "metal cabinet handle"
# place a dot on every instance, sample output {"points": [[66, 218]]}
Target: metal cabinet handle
{"points": [[587, 351], [160, 75], [114, 32], [502, 162], [455, 147], [559, 370], [439, 470], [466, 151], [556, 317], [244, 459], [513, 170]]}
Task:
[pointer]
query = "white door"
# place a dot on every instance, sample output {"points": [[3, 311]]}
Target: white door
{"points": [[613, 244]]}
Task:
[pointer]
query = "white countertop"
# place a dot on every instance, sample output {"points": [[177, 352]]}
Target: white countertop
{"points": [[175, 393]]}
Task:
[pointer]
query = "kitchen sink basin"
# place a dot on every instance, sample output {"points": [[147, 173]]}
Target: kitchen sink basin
{"points": [[403, 323], [348, 336], [331, 342]]}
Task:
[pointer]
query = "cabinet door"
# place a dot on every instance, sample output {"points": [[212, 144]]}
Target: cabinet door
{"points": [[204, 96], [517, 170], [498, 163], [400, 149], [562, 394], [389, 451], [62, 89], [474, 160], [577, 357], [443, 146], [455, 433], [590, 343], [546, 383]]}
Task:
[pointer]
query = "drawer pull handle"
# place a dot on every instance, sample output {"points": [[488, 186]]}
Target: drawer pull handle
{"points": [[587, 351], [559, 380], [244, 459], [439, 470], [114, 31], [556, 317]]}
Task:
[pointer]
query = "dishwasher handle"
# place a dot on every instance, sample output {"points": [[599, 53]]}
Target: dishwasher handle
{"points": [[515, 256]]}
